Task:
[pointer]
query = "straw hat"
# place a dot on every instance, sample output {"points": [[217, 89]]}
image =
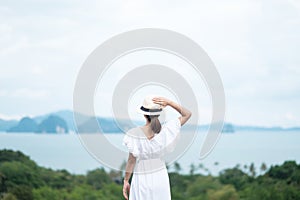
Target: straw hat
{"points": [[149, 107]]}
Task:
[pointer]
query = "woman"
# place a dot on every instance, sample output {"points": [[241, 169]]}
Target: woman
{"points": [[147, 145]]}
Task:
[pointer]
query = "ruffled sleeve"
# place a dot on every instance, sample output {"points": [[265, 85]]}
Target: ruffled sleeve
{"points": [[143, 148], [127, 141], [130, 141]]}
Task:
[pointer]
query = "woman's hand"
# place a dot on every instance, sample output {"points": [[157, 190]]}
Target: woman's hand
{"points": [[185, 113], [161, 101], [129, 168], [126, 189]]}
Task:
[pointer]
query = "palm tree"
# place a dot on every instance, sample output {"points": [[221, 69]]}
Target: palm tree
{"points": [[263, 167], [201, 167], [177, 167], [237, 166], [252, 170], [2, 183], [207, 171], [192, 169]]}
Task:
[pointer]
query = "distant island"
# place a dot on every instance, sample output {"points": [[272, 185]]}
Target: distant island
{"points": [[52, 124], [63, 122]]}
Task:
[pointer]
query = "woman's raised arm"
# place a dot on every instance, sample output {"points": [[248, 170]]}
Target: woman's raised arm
{"points": [[185, 113]]}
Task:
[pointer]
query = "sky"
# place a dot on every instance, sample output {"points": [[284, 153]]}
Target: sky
{"points": [[254, 45]]}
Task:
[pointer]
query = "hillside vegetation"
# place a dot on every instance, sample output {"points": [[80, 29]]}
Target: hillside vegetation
{"points": [[21, 178]]}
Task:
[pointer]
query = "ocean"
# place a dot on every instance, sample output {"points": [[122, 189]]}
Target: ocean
{"points": [[58, 151]]}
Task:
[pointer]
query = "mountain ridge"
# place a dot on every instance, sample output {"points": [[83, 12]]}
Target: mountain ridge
{"points": [[89, 124]]}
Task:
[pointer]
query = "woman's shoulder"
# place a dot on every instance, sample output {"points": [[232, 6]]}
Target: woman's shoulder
{"points": [[134, 132], [173, 123]]}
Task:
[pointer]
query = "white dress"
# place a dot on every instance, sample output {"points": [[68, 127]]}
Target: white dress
{"points": [[150, 179]]}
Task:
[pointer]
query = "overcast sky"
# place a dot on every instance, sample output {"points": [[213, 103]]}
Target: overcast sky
{"points": [[254, 44]]}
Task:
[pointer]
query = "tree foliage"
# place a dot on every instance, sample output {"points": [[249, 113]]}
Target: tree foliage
{"points": [[23, 179]]}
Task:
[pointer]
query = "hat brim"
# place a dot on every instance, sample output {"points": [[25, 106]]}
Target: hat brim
{"points": [[146, 113]]}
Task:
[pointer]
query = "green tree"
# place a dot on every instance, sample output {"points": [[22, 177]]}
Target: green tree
{"points": [[202, 168], [252, 170], [112, 191], [3, 187], [235, 177], [285, 171], [47, 193], [192, 169], [8, 196], [270, 189], [98, 178], [263, 167], [226, 192], [85, 192], [18, 173], [9, 156], [179, 183], [177, 167], [57, 179], [22, 179], [22, 192], [200, 187]]}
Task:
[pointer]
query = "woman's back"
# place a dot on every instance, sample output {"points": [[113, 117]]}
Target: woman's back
{"points": [[144, 148], [150, 178]]}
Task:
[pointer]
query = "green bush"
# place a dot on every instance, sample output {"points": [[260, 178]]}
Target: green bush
{"points": [[22, 179]]}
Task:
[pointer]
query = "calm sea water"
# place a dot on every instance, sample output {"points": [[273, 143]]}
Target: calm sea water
{"points": [[244, 148]]}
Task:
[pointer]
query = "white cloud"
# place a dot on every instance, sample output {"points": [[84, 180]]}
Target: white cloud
{"points": [[295, 4], [254, 44], [11, 117], [38, 70], [3, 92], [291, 119], [27, 93]]}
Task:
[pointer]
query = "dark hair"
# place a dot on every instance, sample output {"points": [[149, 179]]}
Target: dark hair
{"points": [[154, 123]]}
